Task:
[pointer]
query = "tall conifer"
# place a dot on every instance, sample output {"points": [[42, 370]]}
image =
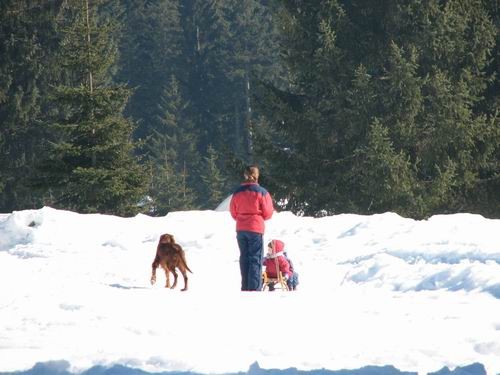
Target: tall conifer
{"points": [[93, 168], [171, 150], [228, 44], [28, 45], [214, 180], [385, 108], [150, 54]]}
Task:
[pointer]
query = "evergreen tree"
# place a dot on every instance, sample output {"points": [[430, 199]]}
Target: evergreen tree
{"points": [[92, 168], [228, 44], [173, 121], [150, 53], [213, 49], [205, 31], [484, 196], [169, 189], [385, 108], [28, 43], [214, 180], [171, 151], [252, 43]]}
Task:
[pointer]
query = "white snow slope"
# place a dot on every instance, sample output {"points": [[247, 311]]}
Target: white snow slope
{"points": [[377, 290]]}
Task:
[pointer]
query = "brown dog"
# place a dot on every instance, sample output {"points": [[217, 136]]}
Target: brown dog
{"points": [[170, 255]]}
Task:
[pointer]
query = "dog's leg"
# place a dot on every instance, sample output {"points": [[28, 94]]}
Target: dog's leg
{"points": [[154, 266], [175, 278], [184, 274], [167, 276]]}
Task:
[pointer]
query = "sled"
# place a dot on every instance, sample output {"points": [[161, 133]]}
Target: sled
{"points": [[271, 283]]}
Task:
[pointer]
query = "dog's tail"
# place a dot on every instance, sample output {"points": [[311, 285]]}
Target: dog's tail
{"points": [[183, 258]]}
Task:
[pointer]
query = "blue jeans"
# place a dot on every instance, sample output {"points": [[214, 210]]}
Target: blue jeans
{"points": [[251, 255], [293, 281]]}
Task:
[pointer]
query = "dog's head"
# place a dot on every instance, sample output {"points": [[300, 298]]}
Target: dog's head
{"points": [[166, 238]]}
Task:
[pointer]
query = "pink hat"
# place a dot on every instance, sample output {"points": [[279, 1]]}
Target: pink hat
{"points": [[277, 246]]}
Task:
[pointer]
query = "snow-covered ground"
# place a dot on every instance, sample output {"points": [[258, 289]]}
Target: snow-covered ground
{"points": [[374, 290]]}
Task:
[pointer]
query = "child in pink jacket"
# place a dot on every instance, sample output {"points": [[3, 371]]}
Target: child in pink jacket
{"points": [[275, 251]]}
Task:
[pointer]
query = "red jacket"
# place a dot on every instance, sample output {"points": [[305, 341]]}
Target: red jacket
{"points": [[270, 261], [250, 205]]}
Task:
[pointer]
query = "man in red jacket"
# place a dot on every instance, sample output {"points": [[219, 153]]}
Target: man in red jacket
{"points": [[250, 206]]}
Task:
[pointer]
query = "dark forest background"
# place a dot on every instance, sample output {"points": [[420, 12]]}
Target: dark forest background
{"points": [[359, 106]]}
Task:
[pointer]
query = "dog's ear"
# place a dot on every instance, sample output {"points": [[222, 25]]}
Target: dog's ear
{"points": [[172, 238]]}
